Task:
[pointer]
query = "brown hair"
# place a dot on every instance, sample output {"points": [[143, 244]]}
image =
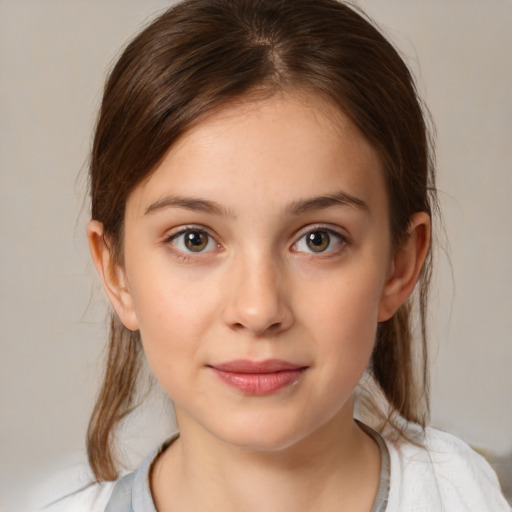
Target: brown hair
{"points": [[203, 54]]}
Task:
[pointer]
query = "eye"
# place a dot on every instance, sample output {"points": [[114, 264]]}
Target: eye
{"points": [[193, 240], [319, 241]]}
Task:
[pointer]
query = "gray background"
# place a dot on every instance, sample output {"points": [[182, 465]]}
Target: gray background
{"points": [[54, 54]]}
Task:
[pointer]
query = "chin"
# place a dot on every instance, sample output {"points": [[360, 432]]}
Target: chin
{"points": [[270, 440], [265, 432]]}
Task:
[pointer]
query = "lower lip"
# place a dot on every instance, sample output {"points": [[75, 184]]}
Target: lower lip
{"points": [[260, 384]]}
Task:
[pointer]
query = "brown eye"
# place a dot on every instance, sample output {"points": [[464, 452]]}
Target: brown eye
{"points": [[318, 241], [193, 240]]}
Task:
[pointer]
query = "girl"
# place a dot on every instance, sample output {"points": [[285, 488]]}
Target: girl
{"points": [[262, 197]]}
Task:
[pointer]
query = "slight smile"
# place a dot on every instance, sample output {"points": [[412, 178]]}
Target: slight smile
{"points": [[258, 377]]}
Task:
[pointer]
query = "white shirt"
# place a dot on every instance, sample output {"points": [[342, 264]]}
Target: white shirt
{"points": [[445, 475]]}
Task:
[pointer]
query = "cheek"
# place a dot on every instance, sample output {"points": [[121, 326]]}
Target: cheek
{"points": [[169, 299], [347, 302], [344, 321], [174, 316]]}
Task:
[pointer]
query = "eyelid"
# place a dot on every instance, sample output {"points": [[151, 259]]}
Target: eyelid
{"points": [[330, 229], [181, 230]]}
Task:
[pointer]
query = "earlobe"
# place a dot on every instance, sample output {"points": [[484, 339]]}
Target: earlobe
{"points": [[112, 275], [405, 266]]}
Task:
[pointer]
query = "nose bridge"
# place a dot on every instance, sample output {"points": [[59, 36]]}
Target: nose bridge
{"points": [[257, 300]]}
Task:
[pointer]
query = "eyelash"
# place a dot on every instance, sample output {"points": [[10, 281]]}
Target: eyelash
{"points": [[342, 241], [183, 252]]}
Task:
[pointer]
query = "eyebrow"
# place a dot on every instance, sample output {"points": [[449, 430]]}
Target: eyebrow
{"points": [[322, 202], [296, 207], [188, 203]]}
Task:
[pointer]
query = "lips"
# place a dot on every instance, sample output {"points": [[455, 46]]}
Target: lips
{"points": [[258, 377]]}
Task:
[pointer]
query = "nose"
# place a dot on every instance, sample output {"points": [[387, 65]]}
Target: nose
{"points": [[257, 300]]}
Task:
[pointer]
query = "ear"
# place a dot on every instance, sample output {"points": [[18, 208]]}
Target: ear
{"points": [[112, 275], [405, 266]]}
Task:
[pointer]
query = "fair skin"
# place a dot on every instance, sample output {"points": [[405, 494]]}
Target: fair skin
{"points": [[263, 236]]}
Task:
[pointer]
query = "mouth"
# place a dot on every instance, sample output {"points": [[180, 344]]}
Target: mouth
{"points": [[258, 378]]}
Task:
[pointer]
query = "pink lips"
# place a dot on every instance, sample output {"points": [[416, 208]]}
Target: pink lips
{"points": [[258, 378]]}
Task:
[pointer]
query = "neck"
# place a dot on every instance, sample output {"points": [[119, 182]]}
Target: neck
{"points": [[335, 468]]}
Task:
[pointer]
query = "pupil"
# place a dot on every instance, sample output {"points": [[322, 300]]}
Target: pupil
{"points": [[195, 240], [318, 241]]}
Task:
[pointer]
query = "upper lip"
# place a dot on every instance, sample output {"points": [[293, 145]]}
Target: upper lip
{"points": [[248, 366]]}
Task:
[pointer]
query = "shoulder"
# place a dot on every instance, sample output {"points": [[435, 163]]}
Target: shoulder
{"points": [[91, 499], [439, 473], [75, 490], [71, 490]]}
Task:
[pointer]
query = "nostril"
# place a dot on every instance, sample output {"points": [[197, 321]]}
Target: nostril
{"points": [[270, 329], [274, 327], [257, 306]]}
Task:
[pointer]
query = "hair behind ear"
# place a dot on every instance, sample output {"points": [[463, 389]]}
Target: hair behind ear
{"points": [[395, 364], [115, 400]]}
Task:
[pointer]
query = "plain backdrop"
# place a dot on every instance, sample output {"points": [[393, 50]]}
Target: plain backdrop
{"points": [[54, 55]]}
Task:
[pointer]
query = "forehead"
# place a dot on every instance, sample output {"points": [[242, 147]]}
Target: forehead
{"points": [[272, 150]]}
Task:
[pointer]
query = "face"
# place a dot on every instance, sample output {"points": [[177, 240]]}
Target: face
{"points": [[256, 262]]}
